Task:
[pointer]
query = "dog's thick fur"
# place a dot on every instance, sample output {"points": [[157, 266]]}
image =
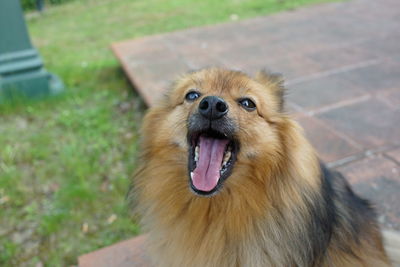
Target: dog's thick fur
{"points": [[279, 207]]}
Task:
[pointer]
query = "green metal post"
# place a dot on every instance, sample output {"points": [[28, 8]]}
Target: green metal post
{"points": [[21, 68]]}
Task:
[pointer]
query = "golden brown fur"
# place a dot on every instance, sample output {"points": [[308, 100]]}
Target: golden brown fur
{"points": [[271, 211]]}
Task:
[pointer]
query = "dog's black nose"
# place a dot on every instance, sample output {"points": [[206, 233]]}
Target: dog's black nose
{"points": [[213, 107]]}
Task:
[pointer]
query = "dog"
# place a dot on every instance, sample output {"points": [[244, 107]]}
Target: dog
{"points": [[227, 178]]}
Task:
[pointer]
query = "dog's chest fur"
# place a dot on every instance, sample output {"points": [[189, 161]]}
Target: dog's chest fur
{"points": [[226, 241]]}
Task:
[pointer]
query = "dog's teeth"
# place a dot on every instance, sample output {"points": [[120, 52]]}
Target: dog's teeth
{"points": [[191, 175], [196, 154], [226, 157]]}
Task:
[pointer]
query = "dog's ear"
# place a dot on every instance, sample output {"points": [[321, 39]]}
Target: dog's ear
{"points": [[274, 82]]}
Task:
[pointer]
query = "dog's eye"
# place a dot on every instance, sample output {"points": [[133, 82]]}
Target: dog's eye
{"points": [[247, 103], [192, 96]]}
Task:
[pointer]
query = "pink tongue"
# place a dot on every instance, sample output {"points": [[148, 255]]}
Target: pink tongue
{"points": [[205, 176]]}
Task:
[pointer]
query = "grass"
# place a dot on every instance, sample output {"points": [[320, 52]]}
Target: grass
{"points": [[65, 162]]}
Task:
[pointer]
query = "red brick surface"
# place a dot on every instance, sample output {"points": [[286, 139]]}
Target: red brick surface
{"points": [[327, 142], [394, 155], [129, 253], [371, 123], [377, 179]]}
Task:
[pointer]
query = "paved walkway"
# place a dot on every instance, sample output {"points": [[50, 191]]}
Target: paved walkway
{"points": [[341, 62]]}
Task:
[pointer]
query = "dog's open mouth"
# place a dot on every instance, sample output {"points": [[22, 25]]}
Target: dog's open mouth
{"points": [[211, 160]]}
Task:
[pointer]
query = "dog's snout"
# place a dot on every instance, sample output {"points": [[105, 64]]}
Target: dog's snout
{"points": [[213, 107]]}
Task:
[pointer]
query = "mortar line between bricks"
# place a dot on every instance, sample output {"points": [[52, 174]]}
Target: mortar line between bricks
{"points": [[345, 161], [390, 158], [330, 72], [340, 104], [349, 44], [364, 154]]}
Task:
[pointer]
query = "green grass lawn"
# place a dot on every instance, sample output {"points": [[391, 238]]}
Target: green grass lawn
{"points": [[65, 162]]}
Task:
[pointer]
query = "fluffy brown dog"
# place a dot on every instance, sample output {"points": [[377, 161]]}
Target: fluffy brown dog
{"points": [[226, 178]]}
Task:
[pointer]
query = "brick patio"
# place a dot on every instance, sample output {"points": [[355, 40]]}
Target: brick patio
{"points": [[341, 62]]}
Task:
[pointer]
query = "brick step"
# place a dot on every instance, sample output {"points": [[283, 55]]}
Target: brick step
{"points": [[130, 253]]}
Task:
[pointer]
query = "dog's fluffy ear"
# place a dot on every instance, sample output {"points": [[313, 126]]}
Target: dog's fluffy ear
{"points": [[274, 82]]}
